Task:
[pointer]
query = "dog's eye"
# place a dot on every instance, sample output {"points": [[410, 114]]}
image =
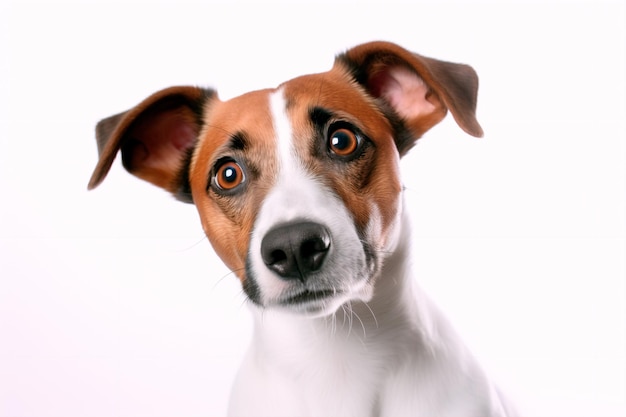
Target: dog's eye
{"points": [[228, 175], [343, 142]]}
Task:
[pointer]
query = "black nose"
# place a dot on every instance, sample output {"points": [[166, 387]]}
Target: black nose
{"points": [[294, 250]]}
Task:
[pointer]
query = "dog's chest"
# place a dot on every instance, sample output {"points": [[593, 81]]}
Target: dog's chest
{"points": [[340, 368], [320, 379]]}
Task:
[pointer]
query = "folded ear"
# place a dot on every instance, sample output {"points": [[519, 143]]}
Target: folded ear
{"points": [[418, 89], [156, 138]]}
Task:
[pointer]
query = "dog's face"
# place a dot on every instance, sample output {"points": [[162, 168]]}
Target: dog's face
{"points": [[299, 196], [298, 188]]}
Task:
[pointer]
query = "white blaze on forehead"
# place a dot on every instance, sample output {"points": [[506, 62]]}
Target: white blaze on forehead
{"points": [[297, 193], [294, 188], [282, 128]]}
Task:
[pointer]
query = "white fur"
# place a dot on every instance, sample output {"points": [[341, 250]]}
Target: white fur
{"points": [[381, 349]]}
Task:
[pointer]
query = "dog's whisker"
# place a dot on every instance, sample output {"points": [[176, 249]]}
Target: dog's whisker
{"points": [[372, 313], [245, 299], [362, 325], [263, 311], [229, 274], [193, 245], [354, 314], [345, 316], [350, 317]]}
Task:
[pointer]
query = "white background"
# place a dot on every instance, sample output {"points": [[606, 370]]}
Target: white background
{"points": [[112, 302]]}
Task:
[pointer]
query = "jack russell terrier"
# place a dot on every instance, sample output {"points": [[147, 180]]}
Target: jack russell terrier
{"points": [[299, 192]]}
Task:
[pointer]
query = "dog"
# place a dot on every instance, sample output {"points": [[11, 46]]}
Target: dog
{"points": [[299, 192]]}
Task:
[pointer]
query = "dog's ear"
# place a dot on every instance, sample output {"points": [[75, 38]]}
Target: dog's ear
{"points": [[156, 138], [418, 89]]}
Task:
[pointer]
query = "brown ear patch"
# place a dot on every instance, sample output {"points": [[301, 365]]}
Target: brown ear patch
{"points": [[393, 74], [154, 136], [155, 143], [410, 98]]}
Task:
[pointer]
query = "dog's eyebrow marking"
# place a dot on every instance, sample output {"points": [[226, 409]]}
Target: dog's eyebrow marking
{"points": [[320, 116], [238, 141]]}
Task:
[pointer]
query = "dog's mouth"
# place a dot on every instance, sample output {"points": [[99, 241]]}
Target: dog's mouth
{"points": [[312, 302], [308, 297], [316, 301]]}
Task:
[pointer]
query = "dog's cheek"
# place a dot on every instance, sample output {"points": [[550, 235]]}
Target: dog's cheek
{"points": [[376, 200], [377, 203], [228, 239], [358, 204], [388, 203], [380, 213], [387, 189]]}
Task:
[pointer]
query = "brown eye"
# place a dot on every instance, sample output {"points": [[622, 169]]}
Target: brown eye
{"points": [[229, 175], [343, 142]]}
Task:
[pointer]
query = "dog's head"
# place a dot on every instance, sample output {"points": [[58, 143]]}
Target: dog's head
{"points": [[297, 187]]}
